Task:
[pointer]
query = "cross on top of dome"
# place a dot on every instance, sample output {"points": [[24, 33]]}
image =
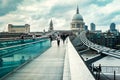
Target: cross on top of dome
{"points": [[77, 10]]}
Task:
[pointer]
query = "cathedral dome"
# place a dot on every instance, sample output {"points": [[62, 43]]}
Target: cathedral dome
{"points": [[77, 17]]}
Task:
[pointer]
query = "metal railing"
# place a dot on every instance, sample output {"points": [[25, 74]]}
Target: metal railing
{"points": [[110, 69], [16, 55], [106, 72]]}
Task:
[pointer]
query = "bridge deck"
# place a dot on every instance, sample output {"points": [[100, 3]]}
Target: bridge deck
{"points": [[57, 63], [48, 66]]}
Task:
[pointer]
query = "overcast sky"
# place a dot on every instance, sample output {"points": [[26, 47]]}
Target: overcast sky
{"points": [[38, 13]]}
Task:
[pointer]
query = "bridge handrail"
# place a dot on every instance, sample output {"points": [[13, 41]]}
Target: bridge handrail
{"points": [[18, 41], [110, 69], [98, 48], [20, 45], [78, 68], [4, 51]]}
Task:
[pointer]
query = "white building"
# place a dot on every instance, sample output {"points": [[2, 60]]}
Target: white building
{"points": [[18, 28], [77, 23]]}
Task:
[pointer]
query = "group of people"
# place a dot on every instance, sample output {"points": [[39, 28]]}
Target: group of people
{"points": [[58, 38]]}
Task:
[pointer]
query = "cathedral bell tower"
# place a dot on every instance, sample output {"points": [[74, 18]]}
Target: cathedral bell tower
{"points": [[51, 26]]}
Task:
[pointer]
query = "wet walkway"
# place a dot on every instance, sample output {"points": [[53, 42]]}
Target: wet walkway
{"points": [[48, 66]]}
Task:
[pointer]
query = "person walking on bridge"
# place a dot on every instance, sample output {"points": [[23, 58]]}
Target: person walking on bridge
{"points": [[50, 38], [58, 40], [63, 37]]}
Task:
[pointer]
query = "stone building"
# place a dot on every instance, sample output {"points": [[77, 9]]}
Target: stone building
{"points": [[18, 28]]}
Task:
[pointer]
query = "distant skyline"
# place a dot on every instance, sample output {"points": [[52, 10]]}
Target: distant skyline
{"points": [[38, 13]]}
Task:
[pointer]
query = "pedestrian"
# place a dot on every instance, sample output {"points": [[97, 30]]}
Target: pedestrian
{"points": [[50, 38], [33, 37], [63, 37], [1, 62], [22, 38], [99, 68], [58, 40], [22, 59]]}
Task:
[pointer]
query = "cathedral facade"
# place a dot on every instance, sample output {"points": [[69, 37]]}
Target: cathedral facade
{"points": [[77, 24]]}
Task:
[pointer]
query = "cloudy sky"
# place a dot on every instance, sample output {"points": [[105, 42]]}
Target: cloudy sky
{"points": [[38, 13]]}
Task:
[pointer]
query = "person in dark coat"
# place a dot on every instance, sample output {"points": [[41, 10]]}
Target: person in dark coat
{"points": [[63, 36], [58, 40], [50, 38]]}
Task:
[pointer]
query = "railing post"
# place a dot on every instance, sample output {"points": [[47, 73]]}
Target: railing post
{"points": [[98, 75], [114, 75], [92, 67], [99, 70]]}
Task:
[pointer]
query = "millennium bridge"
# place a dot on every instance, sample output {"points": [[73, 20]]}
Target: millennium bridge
{"points": [[41, 59]]}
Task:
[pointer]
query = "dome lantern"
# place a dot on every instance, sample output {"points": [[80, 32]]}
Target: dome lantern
{"points": [[77, 10]]}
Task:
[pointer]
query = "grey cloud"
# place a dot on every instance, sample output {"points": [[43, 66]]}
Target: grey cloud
{"points": [[36, 17], [101, 3], [1, 22], [10, 6], [59, 10], [105, 20]]}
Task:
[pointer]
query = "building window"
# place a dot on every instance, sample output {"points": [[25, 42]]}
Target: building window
{"points": [[78, 25], [73, 25]]}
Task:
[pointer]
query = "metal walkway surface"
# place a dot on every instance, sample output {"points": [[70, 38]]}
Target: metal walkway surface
{"points": [[48, 66]]}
